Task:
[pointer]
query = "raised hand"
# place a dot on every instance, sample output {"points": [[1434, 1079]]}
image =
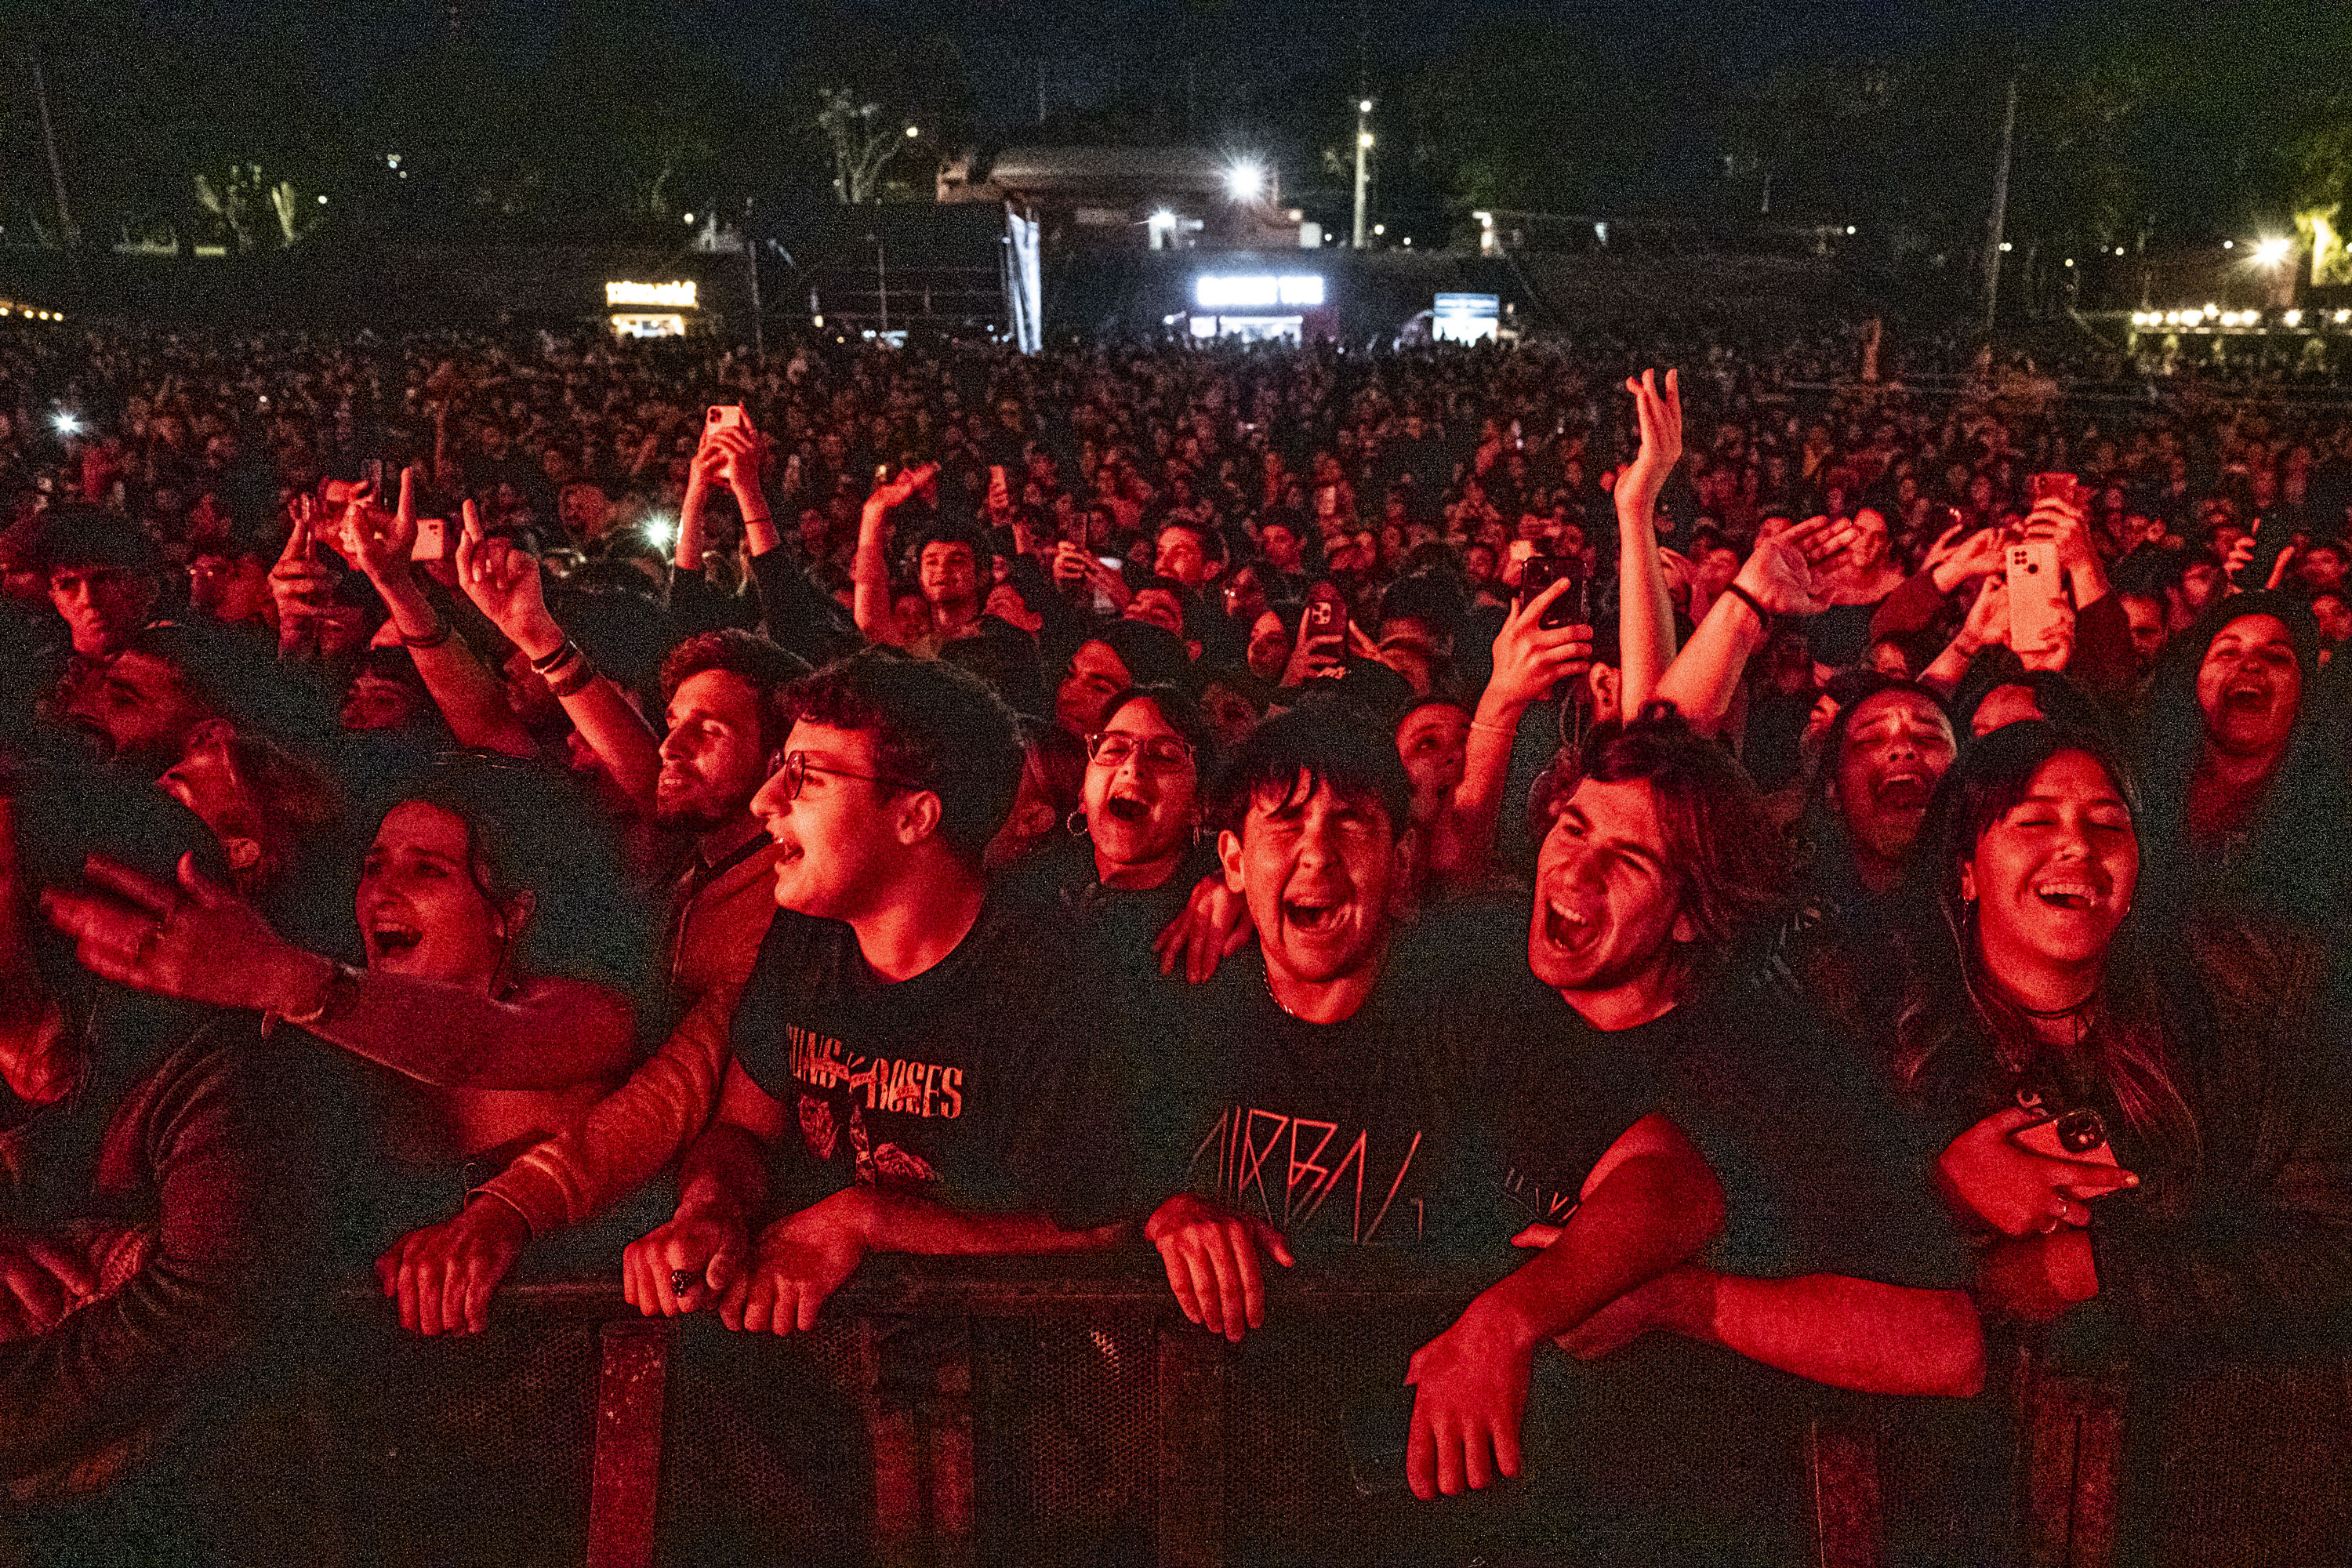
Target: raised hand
{"points": [[1986, 625], [904, 483], [1660, 411], [503, 582], [2240, 556], [301, 585], [1211, 1258], [2052, 648], [1529, 658], [2067, 525], [1959, 555], [381, 541], [1788, 572], [197, 940], [1315, 656]]}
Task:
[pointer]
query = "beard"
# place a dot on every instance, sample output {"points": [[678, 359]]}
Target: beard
{"points": [[694, 812]]}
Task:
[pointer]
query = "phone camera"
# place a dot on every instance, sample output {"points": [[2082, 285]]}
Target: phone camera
{"points": [[2080, 1131]]}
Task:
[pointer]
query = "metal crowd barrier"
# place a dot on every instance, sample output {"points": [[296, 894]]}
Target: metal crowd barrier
{"points": [[971, 1412]]}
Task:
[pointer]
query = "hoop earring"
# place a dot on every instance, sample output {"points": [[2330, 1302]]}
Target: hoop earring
{"points": [[1077, 823]]}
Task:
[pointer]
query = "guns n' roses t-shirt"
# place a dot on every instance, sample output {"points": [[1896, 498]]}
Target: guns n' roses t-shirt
{"points": [[986, 1081]]}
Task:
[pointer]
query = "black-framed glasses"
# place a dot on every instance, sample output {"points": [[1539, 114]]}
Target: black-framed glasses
{"points": [[796, 768], [1113, 747]]}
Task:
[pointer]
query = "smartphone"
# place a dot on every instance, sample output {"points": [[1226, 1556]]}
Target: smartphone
{"points": [[2037, 592], [1326, 616], [723, 416], [881, 473], [2078, 1137], [1574, 608], [432, 539], [1113, 561], [372, 471]]}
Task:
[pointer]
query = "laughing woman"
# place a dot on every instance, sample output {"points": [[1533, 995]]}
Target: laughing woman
{"points": [[2147, 1132], [490, 993], [2244, 797]]}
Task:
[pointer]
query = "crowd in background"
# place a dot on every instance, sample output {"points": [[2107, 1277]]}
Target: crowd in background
{"points": [[1137, 736]]}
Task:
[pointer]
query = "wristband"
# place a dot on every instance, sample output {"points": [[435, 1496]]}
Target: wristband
{"points": [[551, 663], [1764, 618], [1511, 729], [439, 634], [571, 682]]}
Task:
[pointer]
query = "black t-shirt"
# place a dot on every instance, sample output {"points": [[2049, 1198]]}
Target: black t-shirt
{"points": [[1820, 1175], [1406, 1127], [988, 1081]]}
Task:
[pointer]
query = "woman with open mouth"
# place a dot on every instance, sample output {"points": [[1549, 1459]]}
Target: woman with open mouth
{"points": [[483, 908], [1135, 863], [2144, 1129], [2244, 798]]}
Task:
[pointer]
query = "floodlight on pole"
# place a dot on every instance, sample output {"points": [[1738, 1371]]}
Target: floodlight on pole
{"points": [[1246, 181], [1363, 147], [2272, 252]]}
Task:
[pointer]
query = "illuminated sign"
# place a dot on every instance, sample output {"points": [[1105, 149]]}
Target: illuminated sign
{"points": [[1297, 289], [637, 325], [674, 295]]}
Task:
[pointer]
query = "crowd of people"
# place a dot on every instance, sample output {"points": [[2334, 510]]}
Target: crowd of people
{"points": [[1790, 887]]}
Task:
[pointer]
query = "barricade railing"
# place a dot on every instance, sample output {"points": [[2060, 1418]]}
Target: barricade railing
{"points": [[956, 1413]]}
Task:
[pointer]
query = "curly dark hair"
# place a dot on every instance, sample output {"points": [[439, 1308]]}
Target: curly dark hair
{"points": [[937, 727], [766, 669]]}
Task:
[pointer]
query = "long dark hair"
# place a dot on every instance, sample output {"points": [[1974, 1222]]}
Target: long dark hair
{"points": [[1953, 1024]]}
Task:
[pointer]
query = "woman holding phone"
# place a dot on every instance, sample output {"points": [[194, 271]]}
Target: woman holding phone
{"points": [[2145, 1129]]}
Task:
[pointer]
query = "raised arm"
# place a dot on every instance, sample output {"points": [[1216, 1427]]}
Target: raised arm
{"points": [[869, 568], [1645, 611], [469, 697], [1528, 661], [1782, 576], [504, 585], [201, 943], [1988, 625]]}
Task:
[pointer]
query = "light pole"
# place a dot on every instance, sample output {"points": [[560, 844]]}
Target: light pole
{"points": [[1363, 148]]}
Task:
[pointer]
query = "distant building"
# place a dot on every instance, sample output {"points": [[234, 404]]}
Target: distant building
{"points": [[1130, 198]]}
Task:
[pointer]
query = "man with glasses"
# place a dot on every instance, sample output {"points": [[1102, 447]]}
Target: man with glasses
{"points": [[907, 1075]]}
